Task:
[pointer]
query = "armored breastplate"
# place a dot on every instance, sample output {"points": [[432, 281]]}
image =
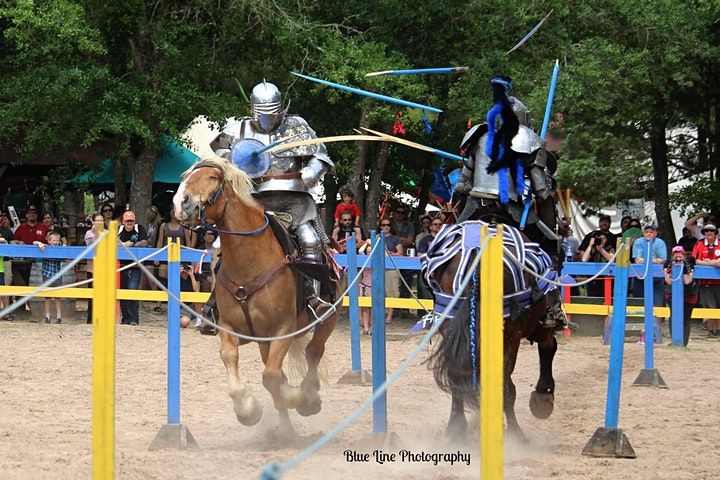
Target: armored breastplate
{"points": [[487, 184]]}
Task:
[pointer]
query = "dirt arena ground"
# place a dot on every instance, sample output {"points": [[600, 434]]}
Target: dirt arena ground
{"points": [[45, 424]]}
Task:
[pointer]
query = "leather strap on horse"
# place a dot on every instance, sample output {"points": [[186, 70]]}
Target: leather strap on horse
{"points": [[242, 293], [282, 176]]}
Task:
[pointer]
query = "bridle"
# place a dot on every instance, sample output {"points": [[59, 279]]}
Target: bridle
{"points": [[212, 199]]}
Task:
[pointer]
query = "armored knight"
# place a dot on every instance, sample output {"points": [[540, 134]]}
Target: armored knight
{"points": [[284, 178], [503, 164]]}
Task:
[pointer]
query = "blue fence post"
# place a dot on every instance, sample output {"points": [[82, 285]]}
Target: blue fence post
{"points": [[677, 292], [649, 303], [649, 376], [354, 306], [173, 380], [378, 331], [610, 441]]}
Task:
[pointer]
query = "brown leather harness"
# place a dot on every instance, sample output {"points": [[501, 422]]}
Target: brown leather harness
{"points": [[242, 293]]}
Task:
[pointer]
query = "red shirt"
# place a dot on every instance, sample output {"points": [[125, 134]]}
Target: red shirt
{"points": [[29, 234], [704, 251], [350, 208]]}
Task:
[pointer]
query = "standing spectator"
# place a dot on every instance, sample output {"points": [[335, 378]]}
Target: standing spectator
{"points": [[687, 241], [707, 252], [425, 222], [4, 301], [89, 239], [207, 269], [690, 293], [188, 283], [422, 248], [346, 229], [6, 232], [50, 268], [49, 222], [604, 227], [27, 233], [599, 250], [107, 213], [347, 205], [154, 220], [696, 223], [406, 233], [625, 223], [571, 245], [131, 235], [657, 254], [171, 229]]}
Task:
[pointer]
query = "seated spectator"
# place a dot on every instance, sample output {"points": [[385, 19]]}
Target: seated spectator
{"points": [[690, 290], [707, 252]]}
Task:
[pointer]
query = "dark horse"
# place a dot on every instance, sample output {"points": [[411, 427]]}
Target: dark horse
{"points": [[525, 304], [259, 294]]}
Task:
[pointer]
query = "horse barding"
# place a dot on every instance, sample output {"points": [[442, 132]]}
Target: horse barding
{"points": [[454, 361], [260, 291]]}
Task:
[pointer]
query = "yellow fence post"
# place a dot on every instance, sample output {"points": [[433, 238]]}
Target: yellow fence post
{"points": [[103, 366], [491, 357]]}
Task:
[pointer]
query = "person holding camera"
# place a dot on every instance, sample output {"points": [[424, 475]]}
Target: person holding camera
{"points": [[599, 250], [690, 292]]}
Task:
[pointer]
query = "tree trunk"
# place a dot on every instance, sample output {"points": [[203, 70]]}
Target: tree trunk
{"points": [[143, 172], [121, 195], [658, 154], [357, 180], [375, 191], [331, 189]]}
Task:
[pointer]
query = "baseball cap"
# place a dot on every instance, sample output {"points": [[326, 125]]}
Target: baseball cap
{"points": [[603, 218], [31, 208], [650, 226], [678, 248], [708, 227]]}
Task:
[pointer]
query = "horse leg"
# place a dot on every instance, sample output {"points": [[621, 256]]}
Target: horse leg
{"points": [[284, 395], [542, 400], [313, 353], [512, 345], [285, 428], [457, 425], [245, 405]]}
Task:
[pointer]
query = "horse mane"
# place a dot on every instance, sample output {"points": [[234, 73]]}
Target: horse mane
{"points": [[239, 181]]}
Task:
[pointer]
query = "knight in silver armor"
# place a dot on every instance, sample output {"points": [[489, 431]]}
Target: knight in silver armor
{"points": [[283, 179], [494, 177]]}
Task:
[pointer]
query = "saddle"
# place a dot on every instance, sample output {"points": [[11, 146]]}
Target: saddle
{"points": [[324, 272]]}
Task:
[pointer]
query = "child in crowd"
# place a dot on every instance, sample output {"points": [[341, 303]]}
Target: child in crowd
{"points": [[50, 268], [347, 205]]}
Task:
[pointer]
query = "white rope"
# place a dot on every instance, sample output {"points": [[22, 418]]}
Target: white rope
{"points": [[249, 337]]}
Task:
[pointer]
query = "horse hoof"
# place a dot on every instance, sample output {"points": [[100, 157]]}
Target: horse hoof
{"points": [[252, 419], [309, 408], [542, 404]]}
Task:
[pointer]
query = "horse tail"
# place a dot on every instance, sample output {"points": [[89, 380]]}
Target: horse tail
{"points": [[297, 364], [451, 361]]}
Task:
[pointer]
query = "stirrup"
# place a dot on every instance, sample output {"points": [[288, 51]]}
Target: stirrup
{"points": [[321, 305]]}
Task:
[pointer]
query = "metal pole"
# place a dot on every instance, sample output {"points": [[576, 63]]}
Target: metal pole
{"points": [[617, 341], [354, 306], [378, 331], [649, 313], [173, 360], [103, 366]]}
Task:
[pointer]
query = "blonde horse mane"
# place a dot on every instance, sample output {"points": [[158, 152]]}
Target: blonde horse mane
{"points": [[239, 181]]}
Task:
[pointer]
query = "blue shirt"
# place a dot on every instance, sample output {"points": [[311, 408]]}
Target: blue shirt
{"points": [[658, 248]]}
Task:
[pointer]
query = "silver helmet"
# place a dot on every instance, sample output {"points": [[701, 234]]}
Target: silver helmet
{"points": [[266, 106]]}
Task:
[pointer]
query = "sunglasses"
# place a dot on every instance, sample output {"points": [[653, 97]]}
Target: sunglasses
{"points": [[436, 224], [384, 224]]}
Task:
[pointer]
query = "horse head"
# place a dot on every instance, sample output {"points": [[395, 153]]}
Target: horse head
{"points": [[206, 189]]}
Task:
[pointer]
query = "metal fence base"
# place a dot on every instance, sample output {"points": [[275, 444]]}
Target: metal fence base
{"points": [[649, 378], [609, 442], [173, 436]]}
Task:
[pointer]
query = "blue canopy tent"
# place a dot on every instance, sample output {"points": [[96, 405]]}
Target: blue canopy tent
{"points": [[172, 160]]}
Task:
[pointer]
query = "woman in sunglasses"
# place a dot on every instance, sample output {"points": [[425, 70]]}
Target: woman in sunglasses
{"points": [[107, 213]]}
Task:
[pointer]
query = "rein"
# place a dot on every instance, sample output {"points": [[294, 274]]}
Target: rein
{"points": [[214, 197]]}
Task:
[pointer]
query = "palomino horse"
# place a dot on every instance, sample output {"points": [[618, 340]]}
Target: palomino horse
{"points": [[524, 306], [260, 295]]}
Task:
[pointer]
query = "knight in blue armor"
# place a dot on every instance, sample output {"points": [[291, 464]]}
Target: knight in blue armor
{"points": [[506, 161]]}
